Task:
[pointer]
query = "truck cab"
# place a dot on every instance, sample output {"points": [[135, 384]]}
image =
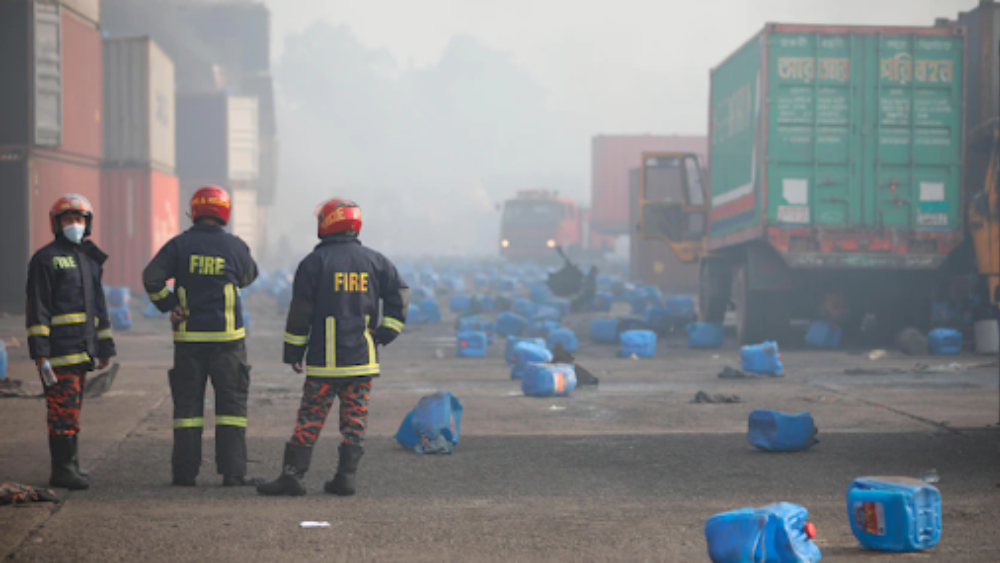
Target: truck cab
{"points": [[536, 221]]}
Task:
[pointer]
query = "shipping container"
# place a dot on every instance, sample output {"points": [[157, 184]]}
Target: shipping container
{"points": [[81, 83], [983, 97], [652, 261], [52, 175], [244, 219], [847, 180], [139, 105], [145, 207], [612, 156], [87, 9], [217, 137], [15, 227]]}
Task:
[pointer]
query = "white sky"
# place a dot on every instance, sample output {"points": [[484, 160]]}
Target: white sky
{"points": [[627, 65]]}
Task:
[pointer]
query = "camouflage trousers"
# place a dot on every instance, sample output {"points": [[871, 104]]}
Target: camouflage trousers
{"points": [[317, 399], [64, 401]]}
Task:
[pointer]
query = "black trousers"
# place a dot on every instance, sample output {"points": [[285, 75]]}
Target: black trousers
{"points": [[226, 364]]}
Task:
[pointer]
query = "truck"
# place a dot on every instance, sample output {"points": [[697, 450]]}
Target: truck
{"points": [[835, 184], [537, 222]]}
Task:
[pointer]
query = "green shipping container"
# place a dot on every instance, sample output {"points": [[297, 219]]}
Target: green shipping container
{"points": [[840, 147]]}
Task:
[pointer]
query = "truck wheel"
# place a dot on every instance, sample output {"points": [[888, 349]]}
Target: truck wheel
{"points": [[714, 283], [751, 309]]}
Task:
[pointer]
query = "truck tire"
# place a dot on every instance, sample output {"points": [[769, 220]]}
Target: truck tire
{"points": [[714, 283], [751, 309]]}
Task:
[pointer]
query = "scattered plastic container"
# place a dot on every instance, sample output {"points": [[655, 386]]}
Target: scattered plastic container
{"points": [[566, 337], [705, 335], [3, 360], [121, 319], [513, 341], [510, 324], [430, 312], [602, 302], [604, 331], [944, 342], [541, 328], [476, 324], [823, 335], [526, 353], [540, 293], [776, 533], [637, 300], [548, 380], [639, 343], [433, 426], [896, 514], [460, 303], [414, 315], [118, 297], [523, 307], [470, 344], [762, 358], [775, 431]]}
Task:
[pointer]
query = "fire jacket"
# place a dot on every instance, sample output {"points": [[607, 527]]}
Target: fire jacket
{"points": [[335, 309], [66, 315], [208, 266]]}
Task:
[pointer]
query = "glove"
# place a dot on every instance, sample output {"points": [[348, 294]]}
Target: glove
{"points": [[385, 335]]}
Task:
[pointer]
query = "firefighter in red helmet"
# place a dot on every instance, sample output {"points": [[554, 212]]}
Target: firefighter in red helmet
{"points": [[209, 267], [332, 334], [69, 332]]}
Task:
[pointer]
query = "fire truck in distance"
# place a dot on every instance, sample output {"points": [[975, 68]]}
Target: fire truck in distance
{"points": [[535, 222]]}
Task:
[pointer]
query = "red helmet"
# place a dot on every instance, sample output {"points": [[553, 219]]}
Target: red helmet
{"points": [[70, 203], [339, 215], [211, 201]]}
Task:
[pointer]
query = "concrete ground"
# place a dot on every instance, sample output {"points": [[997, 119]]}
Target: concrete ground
{"points": [[626, 472]]}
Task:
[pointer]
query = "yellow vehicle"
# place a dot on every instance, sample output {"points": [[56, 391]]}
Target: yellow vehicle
{"points": [[984, 222]]}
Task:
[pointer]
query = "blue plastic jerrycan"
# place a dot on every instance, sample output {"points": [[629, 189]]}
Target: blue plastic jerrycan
{"points": [[776, 533], [705, 335], [121, 319], [640, 343], [525, 354], [566, 337], [548, 380], [894, 513], [762, 358], [433, 426], [513, 341], [775, 431], [460, 303], [823, 335], [604, 330], [3, 360], [470, 344], [510, 324], [944, 342]]}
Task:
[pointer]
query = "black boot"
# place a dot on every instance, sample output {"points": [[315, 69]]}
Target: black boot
{"points": [[76, 460], [293, 471], [64, 474], [344, 481]]}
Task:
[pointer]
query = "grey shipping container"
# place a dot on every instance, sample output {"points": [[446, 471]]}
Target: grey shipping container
{"points": [[139, 105], [31, 73], [217, 137]]}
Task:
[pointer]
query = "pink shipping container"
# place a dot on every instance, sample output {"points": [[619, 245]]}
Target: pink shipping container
{"points": [[50, 176], [612, 157], [83, 133], [144, 205]]}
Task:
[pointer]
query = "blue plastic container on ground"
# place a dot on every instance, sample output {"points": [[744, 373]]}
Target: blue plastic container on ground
{"points": [[540, 293], [3, 360], [562, 306], [118, 297], [525, 354], [548, 380], [602, 302], [640, 343], [566, 337], [523, 307], [430, 312], [681, 310], [823, 335], [776, 533], [604, 331], [705, 335], [433, 426], [762, 358], [894, 513], [121, 319], [459, 303], [944, 342], [775, 431], [510, 324], [637, 300], [486, 303], [513, 341], [413, 315], [455, 283], [541, 328], [476, 324], [470, 344]]}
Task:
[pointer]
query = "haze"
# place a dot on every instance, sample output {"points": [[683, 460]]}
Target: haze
{"points": [[430, 114]]}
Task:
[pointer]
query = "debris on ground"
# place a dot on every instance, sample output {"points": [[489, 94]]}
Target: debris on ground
{"points": [[11, 343], [733, 373], [821, 399], [12, 388], [954, 367], [912, 342], [16, 494], [583, 376], [876, 355], [557, 408], [930, 476], [311, 524], [101, 383], [716, 398]]}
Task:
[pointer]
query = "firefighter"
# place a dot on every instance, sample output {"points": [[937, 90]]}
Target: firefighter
{"points": [[68, 327], [208, 266], [331, 334]]}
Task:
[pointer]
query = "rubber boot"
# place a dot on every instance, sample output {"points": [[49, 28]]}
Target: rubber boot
{"points": [[290, 482], [76, 460], [343, 482], [64, 475]]}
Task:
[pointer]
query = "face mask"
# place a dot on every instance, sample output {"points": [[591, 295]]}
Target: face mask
{"points": [[74, 233]]}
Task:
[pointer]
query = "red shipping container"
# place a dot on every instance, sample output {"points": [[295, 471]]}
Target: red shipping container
{"points": [[611, 159], [82, 80], [52, 175], [142, 213]]}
